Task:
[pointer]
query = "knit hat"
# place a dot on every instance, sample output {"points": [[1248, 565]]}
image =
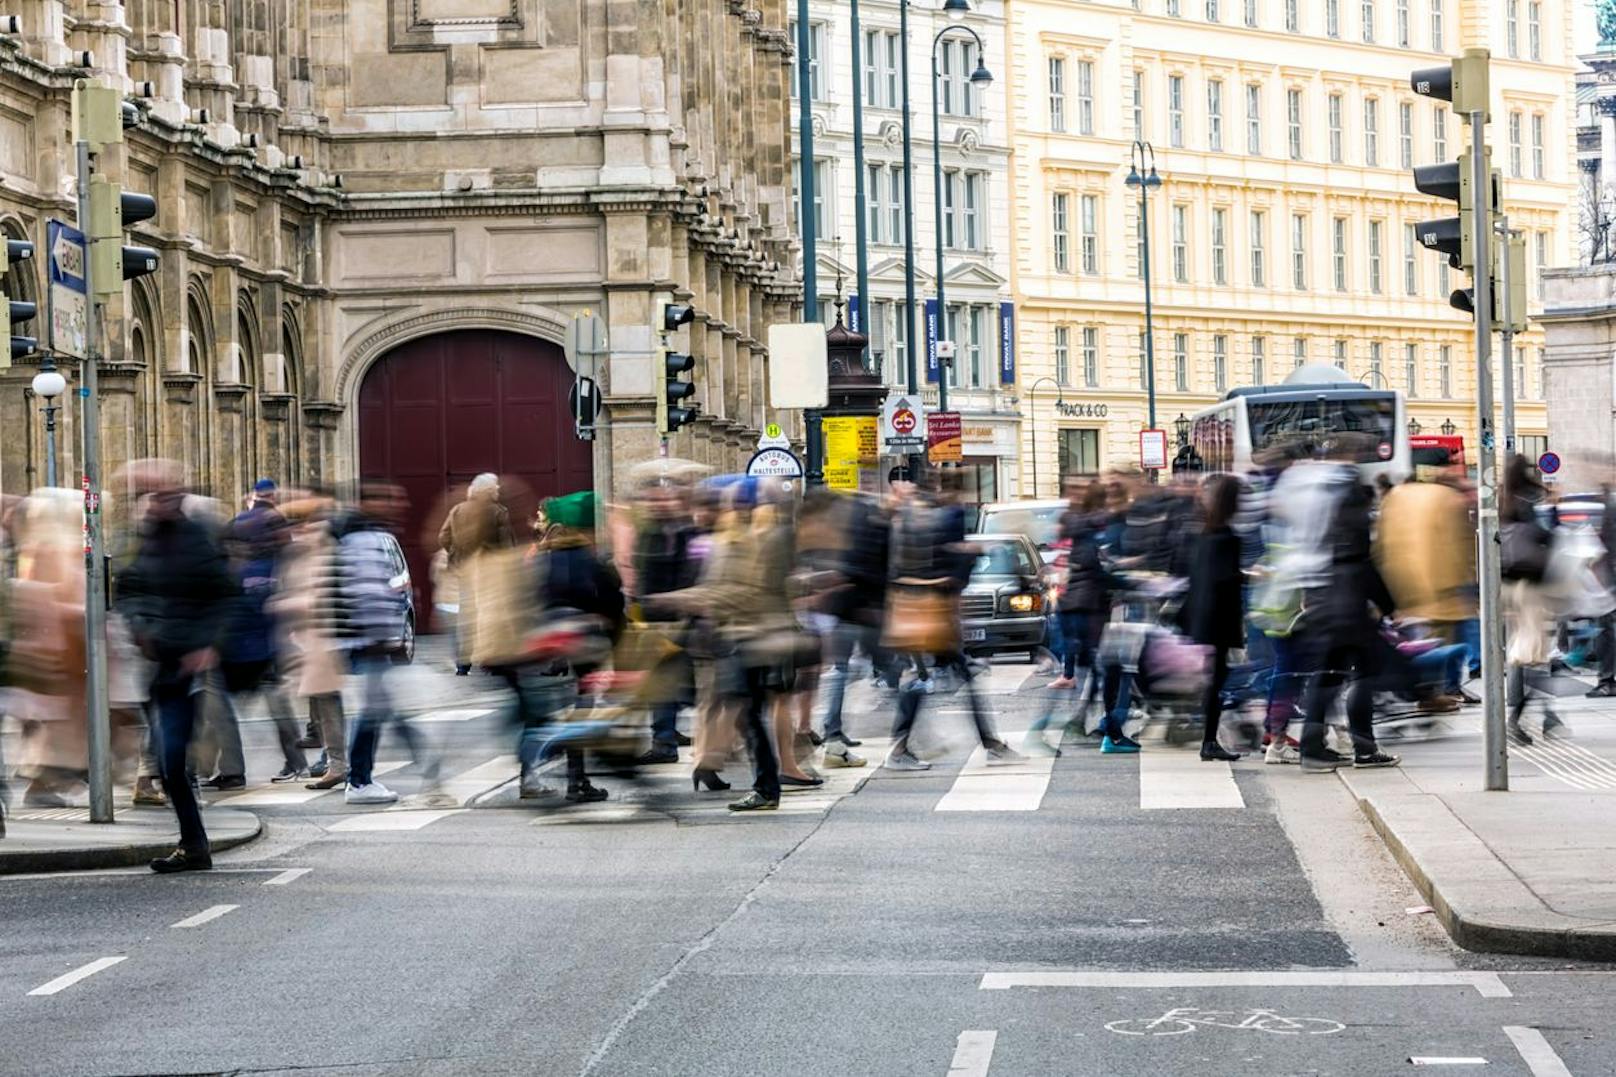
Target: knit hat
{"points": [[572, 510]]}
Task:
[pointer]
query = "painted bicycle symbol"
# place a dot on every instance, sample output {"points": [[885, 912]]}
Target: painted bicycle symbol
{"points": [[1176, 1022]]}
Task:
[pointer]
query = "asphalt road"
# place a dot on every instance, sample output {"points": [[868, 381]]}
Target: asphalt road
{"points": [[1084, 918]]}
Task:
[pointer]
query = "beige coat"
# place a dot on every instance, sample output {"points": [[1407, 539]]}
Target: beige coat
{"points": [[312, 652], [1426, 551]]}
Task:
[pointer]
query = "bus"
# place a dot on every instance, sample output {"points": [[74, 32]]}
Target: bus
{"points": [[1437, 450], [1319, 404]]}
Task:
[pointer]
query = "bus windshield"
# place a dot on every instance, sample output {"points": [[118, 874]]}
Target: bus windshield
{"points": [[1365, 426]]}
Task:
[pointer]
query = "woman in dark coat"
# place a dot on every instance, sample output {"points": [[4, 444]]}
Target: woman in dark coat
{"points": [[1215, 611]]}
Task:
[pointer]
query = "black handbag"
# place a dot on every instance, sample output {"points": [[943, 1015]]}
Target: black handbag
{"points": [[1524, 551]]}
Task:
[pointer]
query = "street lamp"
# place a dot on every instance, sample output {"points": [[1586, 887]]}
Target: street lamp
{"points": [[49, 384], [1141, 157], [1448, 428], [981, 77], [1414, 428], [1182, 426], [1032, 408]]}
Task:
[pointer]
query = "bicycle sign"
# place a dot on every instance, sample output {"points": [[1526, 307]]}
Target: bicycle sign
{"points": [[1176, 1022]]}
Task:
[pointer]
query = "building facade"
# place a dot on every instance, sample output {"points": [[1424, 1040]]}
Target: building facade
{"points": [[1282, 231], [977, 236], [377, 219]]}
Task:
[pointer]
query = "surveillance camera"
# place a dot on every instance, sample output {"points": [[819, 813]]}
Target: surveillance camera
{"points": [[201, 115], [10, 24]]}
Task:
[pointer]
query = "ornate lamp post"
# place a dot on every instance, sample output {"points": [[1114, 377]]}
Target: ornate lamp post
{"points": [[1141, 157], [1414, 428], [1448, 429], [48, 385]]}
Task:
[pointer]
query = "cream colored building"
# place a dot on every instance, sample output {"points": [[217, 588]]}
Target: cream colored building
{"points": [[1283, 133]]}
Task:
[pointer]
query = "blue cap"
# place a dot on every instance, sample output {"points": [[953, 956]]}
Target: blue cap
{"points": [[264, 486]]}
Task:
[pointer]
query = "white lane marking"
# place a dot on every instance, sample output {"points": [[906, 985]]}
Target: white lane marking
{"points": [[68, 979], [290, 875], [1535, 1051], [1179, 779], [1017, 787], [973, 1054], [1487, 984], [294, 792], [392, 820], [465, 786], [459, 715], [1570, 763], [211, 913], [1439, 1060]]}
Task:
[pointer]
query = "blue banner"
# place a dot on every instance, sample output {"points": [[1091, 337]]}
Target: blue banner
{"points": [[855, 314], [934, 368], [1007, 343]]}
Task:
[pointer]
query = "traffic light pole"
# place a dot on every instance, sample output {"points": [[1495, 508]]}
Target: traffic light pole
{"points": [[95, 589], [1495, 746], [1506, 338]]}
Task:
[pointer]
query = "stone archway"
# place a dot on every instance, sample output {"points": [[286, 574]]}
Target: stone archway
{"points": [[437, 410]]}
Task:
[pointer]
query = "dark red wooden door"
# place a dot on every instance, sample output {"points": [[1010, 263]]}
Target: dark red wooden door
{"points": [[437, 411]]}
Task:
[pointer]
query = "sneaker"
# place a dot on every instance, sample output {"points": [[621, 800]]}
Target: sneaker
{"points": [[1553, 726], [374, 793], [1002, 755], [146, 792], [287, 774], [1119, 746], [658, 755], [902, 759], [1036, 745], [843, 758], [1325, 762], [1602, 690], [1469, 698], [1280, 752], [1375, 759]]}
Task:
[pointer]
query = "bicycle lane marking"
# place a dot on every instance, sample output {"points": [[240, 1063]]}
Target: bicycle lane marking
{"points": [[973, 1054], [1183, 1019]]}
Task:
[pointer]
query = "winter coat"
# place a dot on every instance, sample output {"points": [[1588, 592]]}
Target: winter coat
{"points": [[744, 597], [369, 610], [1214, 613], [177, 592], [1338, 611], [662, 560], [1088, 582], [575, 578], [473, 527], [253, 541], [865, 562], [928, 544], [1426, 551]]}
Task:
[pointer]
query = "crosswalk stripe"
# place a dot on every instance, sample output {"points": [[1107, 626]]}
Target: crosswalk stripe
{"points": [[479, 779], [1177, 779], [1017, 787], [294, 792], [391, 820], [459, 714]]}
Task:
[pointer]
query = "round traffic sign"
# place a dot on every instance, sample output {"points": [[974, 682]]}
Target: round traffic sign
{"points": [[776, 462], [1549, 463], [904, 421]]}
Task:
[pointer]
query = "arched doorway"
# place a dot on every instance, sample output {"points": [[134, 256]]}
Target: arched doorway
{"points": [[436, 411]]}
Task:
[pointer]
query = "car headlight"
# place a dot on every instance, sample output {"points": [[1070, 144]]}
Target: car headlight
{"points": [[1026, 603]]}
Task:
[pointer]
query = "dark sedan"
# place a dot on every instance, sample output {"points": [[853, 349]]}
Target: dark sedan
{"points": [[1002, 608]]}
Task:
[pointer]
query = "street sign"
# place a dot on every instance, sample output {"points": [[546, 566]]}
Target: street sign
{"points": [[1549, 463], [1153, 449], [69, 298], [902, 419], [850, 442], [774, 463], [945, 438], [774, 437]]}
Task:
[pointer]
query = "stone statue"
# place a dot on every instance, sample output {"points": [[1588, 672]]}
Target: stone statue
{"points": [[1605, 13]]}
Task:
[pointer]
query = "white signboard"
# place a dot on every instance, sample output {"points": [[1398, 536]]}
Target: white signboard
{"points": [[1153, 449], [775, 463], [903, 423], [799, 374], [69, 301]]}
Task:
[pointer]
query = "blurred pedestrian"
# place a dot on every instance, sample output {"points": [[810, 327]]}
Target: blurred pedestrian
{"points": [[308, 621], [662, 563], [1214, 613], [476, 525], [1425, 548], [1525, 545]]}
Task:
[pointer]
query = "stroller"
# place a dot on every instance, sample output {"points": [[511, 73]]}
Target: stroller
{"points": [[1151, 673]]}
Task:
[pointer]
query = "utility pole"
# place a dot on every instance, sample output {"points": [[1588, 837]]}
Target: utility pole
{"points": [[814, 435], [861, 238]]}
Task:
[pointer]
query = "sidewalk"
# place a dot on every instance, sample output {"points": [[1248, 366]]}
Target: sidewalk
{"points": [[1529, 871], [64, 839]]}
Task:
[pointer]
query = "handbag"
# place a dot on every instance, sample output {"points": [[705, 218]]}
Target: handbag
{"points": [[1524, 551], [923, 617]]}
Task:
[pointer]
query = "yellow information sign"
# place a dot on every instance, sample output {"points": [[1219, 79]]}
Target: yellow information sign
{"points": [[851, 442]]}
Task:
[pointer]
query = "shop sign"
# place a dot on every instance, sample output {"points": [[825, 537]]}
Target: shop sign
{"points": [[943, 443], [1081, 411]]}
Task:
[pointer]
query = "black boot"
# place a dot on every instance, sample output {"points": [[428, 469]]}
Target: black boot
{"points": [[182, 860]]}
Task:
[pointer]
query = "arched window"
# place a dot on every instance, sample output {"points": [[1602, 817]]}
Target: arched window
{"points": [[199, 334]]}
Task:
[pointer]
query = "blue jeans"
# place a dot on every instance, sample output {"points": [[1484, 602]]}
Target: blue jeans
{"points": [[1076, 627], [1468, 633], [375, 711], [1443, 666], [176, 724], [847, 636]]}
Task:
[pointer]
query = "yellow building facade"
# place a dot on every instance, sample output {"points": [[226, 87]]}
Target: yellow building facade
{"points": [[1283, 133]]}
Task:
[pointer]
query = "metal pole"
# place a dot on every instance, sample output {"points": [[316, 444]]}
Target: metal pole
{"points": [[814, 435], [861, 239], [916, 460], [1506, 334], [95, 592], [944, 366], [1150, 327], [1495, 746], [50, 441]]}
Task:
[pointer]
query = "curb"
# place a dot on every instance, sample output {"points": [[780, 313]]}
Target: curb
{"points": [[96, 858], [1482, 905]]}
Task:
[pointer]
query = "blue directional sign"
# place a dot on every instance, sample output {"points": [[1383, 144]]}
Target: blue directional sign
{"points": [[69, 294]]}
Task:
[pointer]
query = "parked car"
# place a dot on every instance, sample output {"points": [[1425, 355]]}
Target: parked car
{"points": [[1038, 520], [1002, 608], [401, 583]]}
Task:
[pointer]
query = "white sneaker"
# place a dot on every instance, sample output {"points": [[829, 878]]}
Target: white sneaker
{"points": [[903, 760], [1004, 756], [843, 758], [374, 793], [1280, 752]]}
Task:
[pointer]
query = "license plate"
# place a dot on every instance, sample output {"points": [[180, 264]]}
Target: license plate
{"points": [[974, 635]]}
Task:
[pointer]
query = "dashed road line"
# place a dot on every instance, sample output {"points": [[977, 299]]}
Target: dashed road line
{"points": [[290, 875], [1447, 1060], [213, 912], [391, 820], [1487, 984], [1535, 1051], [68, 979], [973, 1054]]}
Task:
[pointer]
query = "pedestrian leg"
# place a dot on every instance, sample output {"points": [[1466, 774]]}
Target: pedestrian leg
{"points": [[1212, 706], [176, 715], [326, 711], [279, 703], [754, 727]]}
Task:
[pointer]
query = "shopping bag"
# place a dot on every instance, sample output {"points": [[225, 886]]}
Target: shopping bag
{"points": [[922, 618]]}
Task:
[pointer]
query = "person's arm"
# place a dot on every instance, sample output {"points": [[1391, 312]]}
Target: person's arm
{"points": [[446, 533]]}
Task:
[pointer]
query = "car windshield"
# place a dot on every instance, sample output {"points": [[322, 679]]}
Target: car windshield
{"points": [[1004, 559], [1042, 525]]}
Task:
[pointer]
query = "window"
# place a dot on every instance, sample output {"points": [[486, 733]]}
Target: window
{"points": [[879, 312], [1293, 122], [1439, 132], [1144, 361], [1211, 10], [898, 232], [1181, 250], [1411, 369], [1088, 216], [1444, 370], [1405, 133], [975, 202], [1338, 249], [1436, 26], [1402, 24], [1512, 28], [1293, 22], [1371, 132], [1259, 268], [1377, 375], [1542, 260], [1214, 115], [1251, 13], [1181, 361], [1374, 257], [1057, 94], [1537, 145], [816, 50], [976, 344], [1299, 352], [882, 69], [1172, 8], [1299, 252], [1058, 233], [1220, 363], [1085, 97], [1259, 361], [1411, 266], [1139, 104], [1341, 355], [1369, 22], [1515, 144], [1332, 18], [1063, 357], [950, 207], [1091, 356], [1254, 120], [1534, 30], [958, 61], [1335, 128], [822, 191], [874, 191], [1079, 452], [1444, 280], [1175, 111], [1220, 245]]}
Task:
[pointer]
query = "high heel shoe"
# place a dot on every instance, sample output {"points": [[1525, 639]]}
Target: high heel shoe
{"points": [[701, 776]]}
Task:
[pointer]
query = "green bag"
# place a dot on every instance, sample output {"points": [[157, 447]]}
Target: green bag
{"points": [[1276, 605]]}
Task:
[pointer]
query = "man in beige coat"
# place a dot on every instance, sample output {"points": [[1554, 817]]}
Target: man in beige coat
{"points": [[475, 526]]}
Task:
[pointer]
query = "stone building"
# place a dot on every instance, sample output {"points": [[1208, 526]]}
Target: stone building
{"points": [[377, 219]]}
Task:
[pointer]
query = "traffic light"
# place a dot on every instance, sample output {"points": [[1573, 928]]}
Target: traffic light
{"points": [[112, 210], [1464, 83], [670, 387], [13, 312]]}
